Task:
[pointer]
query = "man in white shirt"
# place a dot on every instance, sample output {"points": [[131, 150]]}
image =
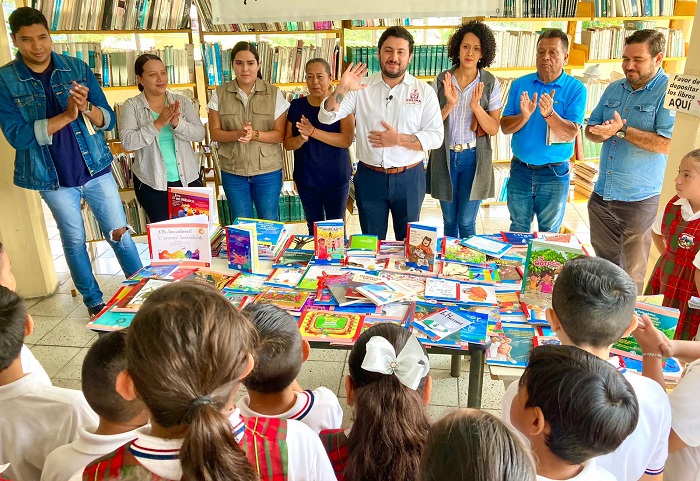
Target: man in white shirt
{"points": [[34, 418], [398, 119]]}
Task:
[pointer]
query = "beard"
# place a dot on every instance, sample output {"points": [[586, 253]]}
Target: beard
{"points": [[396, 74]]}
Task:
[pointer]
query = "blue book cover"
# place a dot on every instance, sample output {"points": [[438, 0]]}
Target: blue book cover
{"points": [[268, 231], [517, 238], [111, 321], [421, 246], [512, 347], [242, 248], [155, 272], [489, 245]]}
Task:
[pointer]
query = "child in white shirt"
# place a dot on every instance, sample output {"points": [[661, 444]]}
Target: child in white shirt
{"points": [[35, 418], [592, 307], [187, 350], [271, 385], [119, 418], [572, 406]]}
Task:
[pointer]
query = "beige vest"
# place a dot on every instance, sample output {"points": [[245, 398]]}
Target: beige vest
{"points": [[254, 157]]}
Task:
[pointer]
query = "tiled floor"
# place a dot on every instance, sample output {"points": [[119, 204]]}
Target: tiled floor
{"points": [[60, 340]]}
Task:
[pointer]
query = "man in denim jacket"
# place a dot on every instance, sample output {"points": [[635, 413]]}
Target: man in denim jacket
{"points": [[45, 114], [635, 129]]}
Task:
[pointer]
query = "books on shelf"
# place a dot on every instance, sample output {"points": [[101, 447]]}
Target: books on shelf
{"points": [[516, 48], [539, 9], [135, 217], [115, 14], [632, 8], [121, 170], [428, 60], [608, 42]]}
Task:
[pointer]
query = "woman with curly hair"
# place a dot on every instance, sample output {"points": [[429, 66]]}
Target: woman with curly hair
{"points": [[460, 174]]}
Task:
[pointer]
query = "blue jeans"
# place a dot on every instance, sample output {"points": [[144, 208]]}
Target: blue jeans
{"points": [[459, 216], [263, 190], [541, 192], [102, 195]]}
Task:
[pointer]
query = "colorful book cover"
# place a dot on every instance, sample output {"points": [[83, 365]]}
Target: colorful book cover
{"points": [[242, 247], [485, 275], [361, 263], [542, 265], [185, 241], [478, 294], [453, 250], [287, 299], [330, 326], [455, 270], [517, 238], [512, 348], [288, 278], [495, 248], [293, 258], [475, 331], [181, 272], [153, 272], [329, 241], [441, 289], [557, 237], [665, 319], [538, 341], [301, 243], [401, 266], [671, 368], [189, 201], [508, 268], [139, 293], [364, 242], [441, 323], [359, 279], [414, 284], [384, 292], [309, 280], [421, 245], [324, 297], [237, 299], [216, 279], [247, 283], [269, 232], [391, 249], [109, 320]]}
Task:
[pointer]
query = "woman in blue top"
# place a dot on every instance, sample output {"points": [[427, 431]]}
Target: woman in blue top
{"points": [[158, 126], [321, 160]]}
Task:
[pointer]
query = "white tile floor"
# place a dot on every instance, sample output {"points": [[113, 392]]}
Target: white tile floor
{"points": [[60, 340]]}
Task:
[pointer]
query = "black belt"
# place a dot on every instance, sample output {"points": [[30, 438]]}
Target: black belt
{"points": [[539, 167]]}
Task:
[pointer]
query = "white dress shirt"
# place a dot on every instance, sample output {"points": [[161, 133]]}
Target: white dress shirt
{"points": [[411, 107]]}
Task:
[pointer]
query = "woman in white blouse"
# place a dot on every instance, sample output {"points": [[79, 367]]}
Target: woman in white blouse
{"points": [[159, 127]]}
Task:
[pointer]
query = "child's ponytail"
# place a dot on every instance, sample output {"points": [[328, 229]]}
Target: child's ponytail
{"points": [[391, 426], [187, 349]]}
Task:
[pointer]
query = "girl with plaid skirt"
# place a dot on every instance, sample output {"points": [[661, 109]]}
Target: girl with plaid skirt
{"points": [[676, 233]]}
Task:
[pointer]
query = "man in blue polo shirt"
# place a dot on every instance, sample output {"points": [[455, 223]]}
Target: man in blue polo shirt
{"points": [[635, 130], [45, 114], [544, 113]]}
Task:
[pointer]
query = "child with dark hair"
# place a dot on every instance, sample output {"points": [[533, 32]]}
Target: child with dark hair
{"points": [[29, 362], [35, 418], [271, 385], [592, 307], [187, 351], [488, 451], [104, 363], [388, 388], [572, 407]]}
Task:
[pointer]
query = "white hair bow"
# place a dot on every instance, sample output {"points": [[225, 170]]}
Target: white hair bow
{"points": [[409, 367]]}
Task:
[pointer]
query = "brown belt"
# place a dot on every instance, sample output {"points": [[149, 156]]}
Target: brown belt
{"points": [[391, 170]]}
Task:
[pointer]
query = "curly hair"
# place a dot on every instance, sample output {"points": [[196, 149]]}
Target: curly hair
{"points": [[488, 43]]}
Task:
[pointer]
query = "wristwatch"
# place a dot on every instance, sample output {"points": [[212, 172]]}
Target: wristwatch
{"points": [[620, 134]]}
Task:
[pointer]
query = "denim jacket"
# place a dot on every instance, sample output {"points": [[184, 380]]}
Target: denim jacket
{"points": [[24, 123]]}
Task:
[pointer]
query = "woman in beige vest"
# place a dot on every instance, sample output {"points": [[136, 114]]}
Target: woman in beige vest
{"points": [[247, 117]]}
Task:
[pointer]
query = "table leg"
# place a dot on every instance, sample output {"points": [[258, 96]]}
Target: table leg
{"points": [[476, 377], [456, 365]]}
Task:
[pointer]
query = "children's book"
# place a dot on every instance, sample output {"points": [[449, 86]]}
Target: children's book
{"points": [[401, 266], [478, 294], [324, 297], [542, 265], [511, 348], [495, 248], [330, 326], [139, 293], [338, 286], [442, 289], [545, 331], [455, 270], [181, 272], [300, 243], [475, 331], [184, 241], [538, 341], [287, 299], [441, 324], [421, 245], [309, 280], [414, 284], [246, 283], [671, 368], [242, 245], [293, 258], [391, 249], [287, 278], [557, 237], [216, 279], [485, 275], [454, 251], [108, 320], [362, 263], [517, 238], [329, 241], [664, 318], [153, 272], [238, 300], [359, 279], [535, 314], [509, 268], [384, 292], [268, 232], [363, 244], [189, 201]]}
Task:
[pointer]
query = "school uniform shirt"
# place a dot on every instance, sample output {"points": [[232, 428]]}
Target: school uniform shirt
{"points": [[645, 450], [307, 460], [591, 472], [684, 465], [411, 107], [30, 364], [688, 216], [35, 419], [318, 409], [71, 458]]}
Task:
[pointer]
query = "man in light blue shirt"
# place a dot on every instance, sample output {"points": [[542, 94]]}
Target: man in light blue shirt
{"points": [[635, 130], [544, 112]]}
